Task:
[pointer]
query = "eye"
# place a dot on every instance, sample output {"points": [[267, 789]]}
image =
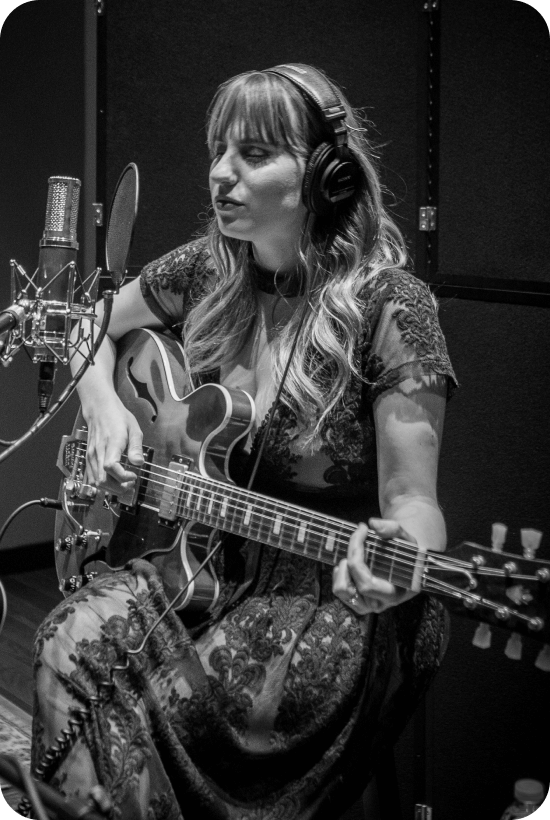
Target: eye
{"points": [[256, 154]]}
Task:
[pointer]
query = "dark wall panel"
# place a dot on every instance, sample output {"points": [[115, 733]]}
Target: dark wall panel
{"points": [[494, 208], [165, 60], [41, 135], [488, 722]]}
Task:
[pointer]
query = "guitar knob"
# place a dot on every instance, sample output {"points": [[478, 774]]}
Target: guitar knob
{"points": [[482, 636], [513, 647], [64, 544], [70, 584], [543, 659], [530, 541], [498, 536]]}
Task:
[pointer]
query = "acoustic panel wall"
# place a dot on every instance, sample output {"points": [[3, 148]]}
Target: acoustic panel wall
{"points": [[166, 59], [494, 208], [41, 135], [164, 62]]}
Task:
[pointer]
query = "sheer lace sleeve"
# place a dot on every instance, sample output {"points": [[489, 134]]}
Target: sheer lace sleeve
{"points": [[405, 337], [176, 280]]}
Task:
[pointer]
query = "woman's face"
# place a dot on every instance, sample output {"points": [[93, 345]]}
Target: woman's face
{"points": [[256, 191]]}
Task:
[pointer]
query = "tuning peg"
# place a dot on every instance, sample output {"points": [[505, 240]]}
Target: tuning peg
{"points": [[530, 540], [482, 636], [513, 647], [498, 536], [543, 659]]}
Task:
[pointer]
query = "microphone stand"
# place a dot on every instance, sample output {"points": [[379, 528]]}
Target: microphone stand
{"points": [[70, 388], [40, 795]]}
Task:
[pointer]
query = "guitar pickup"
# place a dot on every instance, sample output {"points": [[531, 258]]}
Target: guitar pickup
{"points": [[130, 498], [173, 489]]}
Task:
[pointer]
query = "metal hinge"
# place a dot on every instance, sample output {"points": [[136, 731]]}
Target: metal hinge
{"points": [[100, 7], [427, 218], [430, 5], [98, 214]]}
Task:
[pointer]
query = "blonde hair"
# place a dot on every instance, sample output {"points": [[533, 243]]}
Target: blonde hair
{"points": [[337, 255]]}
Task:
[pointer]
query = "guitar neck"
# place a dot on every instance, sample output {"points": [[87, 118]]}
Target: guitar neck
{"points": [[284, 526]]}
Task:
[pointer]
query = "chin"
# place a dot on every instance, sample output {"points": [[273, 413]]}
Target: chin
{"points": [[232, 231]]}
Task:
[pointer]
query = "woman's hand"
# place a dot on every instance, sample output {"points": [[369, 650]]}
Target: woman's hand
{"points": [[354, 583], [112, 429]]}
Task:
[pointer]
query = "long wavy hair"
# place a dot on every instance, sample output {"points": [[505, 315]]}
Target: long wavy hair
{"points": [[337, 254]]}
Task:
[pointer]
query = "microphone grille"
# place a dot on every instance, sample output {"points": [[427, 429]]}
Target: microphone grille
{"points": [[62, 211]]}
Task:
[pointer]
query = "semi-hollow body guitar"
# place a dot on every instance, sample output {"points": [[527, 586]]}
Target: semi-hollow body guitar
{"points": [[184, 497]]}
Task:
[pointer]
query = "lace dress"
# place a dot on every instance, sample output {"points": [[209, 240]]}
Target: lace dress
{"points": [[281, 705]]}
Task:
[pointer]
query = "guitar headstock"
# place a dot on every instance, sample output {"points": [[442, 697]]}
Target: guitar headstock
{"points": [[497, 588]]}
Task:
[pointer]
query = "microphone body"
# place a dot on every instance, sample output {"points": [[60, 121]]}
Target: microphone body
{"points": [[55, 279], [42, 318]]}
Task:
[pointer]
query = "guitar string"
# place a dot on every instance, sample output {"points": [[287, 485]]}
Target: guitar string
{"points": [[388, 566], [378, 560], [294, 517], [316, 528]]}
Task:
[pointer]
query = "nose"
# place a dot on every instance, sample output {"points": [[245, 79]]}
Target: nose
{"points": [[224, 171]]}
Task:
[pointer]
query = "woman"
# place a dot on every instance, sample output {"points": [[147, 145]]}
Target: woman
{"points": [[279, 704]]}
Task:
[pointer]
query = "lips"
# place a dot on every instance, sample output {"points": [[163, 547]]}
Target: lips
{"points": [[227, 202]]}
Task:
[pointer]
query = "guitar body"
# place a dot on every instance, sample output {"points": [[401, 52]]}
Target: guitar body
{"points": [[199, 429]]}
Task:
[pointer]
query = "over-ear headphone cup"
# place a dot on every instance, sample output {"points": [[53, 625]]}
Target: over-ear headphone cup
{"points": [[328, 179], [312, 195]]}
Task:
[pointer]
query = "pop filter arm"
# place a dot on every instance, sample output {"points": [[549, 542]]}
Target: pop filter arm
{"points": [[120, 228]]}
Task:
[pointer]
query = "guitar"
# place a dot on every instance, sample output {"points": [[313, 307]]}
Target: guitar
{"points": [[184, 496]]}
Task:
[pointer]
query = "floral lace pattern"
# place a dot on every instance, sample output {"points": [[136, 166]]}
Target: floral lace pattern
{"points": [[279, 707]]}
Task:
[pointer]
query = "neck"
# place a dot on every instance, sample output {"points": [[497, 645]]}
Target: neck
{"points": [[279, 258]]}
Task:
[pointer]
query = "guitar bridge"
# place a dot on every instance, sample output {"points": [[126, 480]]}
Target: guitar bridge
{"points": [[172, 490]]}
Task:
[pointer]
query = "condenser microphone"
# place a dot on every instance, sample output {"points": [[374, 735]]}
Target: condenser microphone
{"points": [[49, 308], [55, 282], [55, 277]]}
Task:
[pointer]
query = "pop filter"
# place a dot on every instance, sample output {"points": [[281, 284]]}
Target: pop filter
{"points": [[3, 606], [120, 228]]}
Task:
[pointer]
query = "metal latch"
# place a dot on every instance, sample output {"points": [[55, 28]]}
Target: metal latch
{"points": [[427, 218], [98, 214]]}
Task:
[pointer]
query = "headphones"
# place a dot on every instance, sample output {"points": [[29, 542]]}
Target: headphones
{"points": [[332, 174]]}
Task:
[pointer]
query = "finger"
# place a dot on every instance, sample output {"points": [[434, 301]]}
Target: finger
{"points": [[360, 573], [116, 471], [135, 444], [387, 528], [341, 581]]}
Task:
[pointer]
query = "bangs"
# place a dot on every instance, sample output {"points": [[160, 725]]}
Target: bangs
{"points": [[258, 107]]}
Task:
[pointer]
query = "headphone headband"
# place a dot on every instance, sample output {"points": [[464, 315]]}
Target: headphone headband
{"points": [[319, 92]]}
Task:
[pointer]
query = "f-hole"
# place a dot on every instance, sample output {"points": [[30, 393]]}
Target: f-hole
{"points": [[141, 388]]}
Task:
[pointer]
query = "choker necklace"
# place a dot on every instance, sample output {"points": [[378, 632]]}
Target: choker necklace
{"points": [[268, 281]]}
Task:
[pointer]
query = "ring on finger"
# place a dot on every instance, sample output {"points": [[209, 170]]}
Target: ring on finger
{"points": [[353, 595]]}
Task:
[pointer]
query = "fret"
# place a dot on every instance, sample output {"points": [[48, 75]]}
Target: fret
{"points": [[223, 510], [392, 562], [264, 523], [370, 553], [329, 541]]}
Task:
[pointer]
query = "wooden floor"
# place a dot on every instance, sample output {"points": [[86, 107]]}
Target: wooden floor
{"points": [[31, 594]]}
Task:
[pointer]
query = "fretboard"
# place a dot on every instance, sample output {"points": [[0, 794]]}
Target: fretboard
{"points": [[278, 524]]}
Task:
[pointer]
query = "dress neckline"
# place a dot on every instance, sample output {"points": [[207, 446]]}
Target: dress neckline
{"points": [[287, 283]]}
